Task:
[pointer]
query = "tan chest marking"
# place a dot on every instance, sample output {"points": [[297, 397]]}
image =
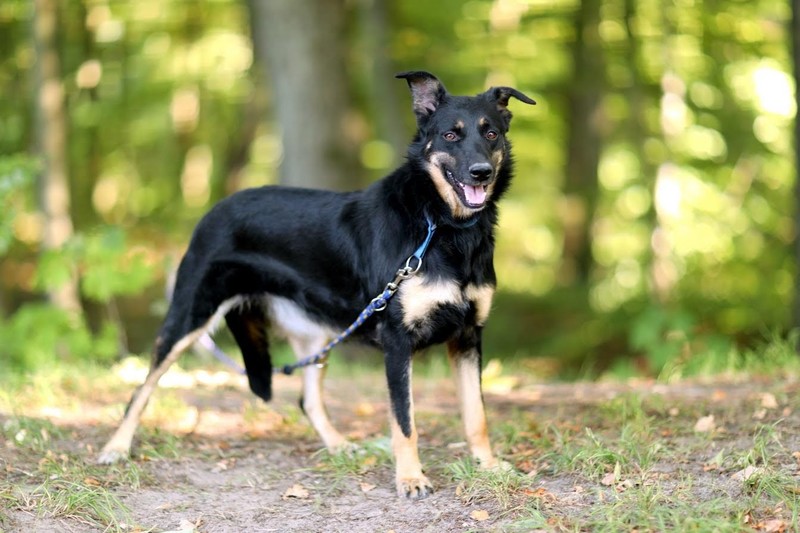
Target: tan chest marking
{"points": [[481, 296], [419, 297]]}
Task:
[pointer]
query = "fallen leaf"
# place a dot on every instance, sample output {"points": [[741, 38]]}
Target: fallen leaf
{"points": [[609, 479], [493, 381], [760, 414], [541, 494], [479, 514], [185, 526], [92, 482], [296, 491], [624, 485], [776, 525], [705, 424], [746, 473], [366, 487], [768, 401], [365, 409]]}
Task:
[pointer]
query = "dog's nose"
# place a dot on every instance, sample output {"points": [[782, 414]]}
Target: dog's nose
{"points": [[480, 171]]}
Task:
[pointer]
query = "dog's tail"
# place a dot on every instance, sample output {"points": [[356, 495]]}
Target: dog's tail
{"points": [[205, 344]]}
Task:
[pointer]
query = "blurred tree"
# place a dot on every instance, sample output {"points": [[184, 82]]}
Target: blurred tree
{"points": [[380, 71], [51, 126], [795, 33], [584, 117], [302, 44]]}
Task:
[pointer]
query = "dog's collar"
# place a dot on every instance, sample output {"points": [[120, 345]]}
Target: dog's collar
{"points": [[432, 228], [466, 224]]}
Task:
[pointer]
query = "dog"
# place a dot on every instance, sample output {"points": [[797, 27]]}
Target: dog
{"points": [[306, 262]]}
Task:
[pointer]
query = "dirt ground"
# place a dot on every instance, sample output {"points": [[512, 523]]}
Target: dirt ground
{"points": [[212, 458]]}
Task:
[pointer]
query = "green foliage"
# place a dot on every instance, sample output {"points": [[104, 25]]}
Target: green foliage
{"points": [[672, 341], [107, 266], [16, 174], [110, 269], [37, 335], [692, 193]]}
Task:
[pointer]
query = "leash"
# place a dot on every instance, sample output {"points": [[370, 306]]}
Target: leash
{"points": [[377, 304]]}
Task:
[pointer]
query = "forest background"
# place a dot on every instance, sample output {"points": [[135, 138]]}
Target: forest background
{"points": [[651, 228]]}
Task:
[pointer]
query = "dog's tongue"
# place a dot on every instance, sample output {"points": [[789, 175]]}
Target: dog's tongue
{"points": [[475, 195]]}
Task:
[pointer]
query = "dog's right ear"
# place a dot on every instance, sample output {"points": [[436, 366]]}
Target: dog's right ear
{"points": [[427, 92]]}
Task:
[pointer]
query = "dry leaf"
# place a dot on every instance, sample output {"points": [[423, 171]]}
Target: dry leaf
{"points": [[493, 381], [92, 482], [705, 424], [718, 395], [768, 401], [776, 525], [296, 491], [365, 409], [541, 494], [185, 526], [479, 514], [366, 487], [746, 473], [609, 479], [760, 414]]}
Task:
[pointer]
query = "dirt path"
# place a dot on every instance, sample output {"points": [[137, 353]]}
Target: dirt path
{"points": [[214, 459]]}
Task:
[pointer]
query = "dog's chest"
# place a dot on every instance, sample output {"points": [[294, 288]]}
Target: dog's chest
{"points": [[421, 297]]}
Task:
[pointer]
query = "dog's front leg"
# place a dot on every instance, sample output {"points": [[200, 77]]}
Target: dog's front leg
{"points": [[409, 479], [464, 354]]}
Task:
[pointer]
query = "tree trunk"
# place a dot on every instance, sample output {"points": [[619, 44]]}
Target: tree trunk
{"points": [[795, 33], [583, 147], [53, 186], [383, 88], [301, 42]]}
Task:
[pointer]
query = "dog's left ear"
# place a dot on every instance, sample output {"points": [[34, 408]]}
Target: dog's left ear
{"points": [[427, 92], [500, 96]]}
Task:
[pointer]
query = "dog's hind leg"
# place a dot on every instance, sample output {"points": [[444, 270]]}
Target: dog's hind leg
{"points": [[248, 326], [119, 446], [311, 401]]}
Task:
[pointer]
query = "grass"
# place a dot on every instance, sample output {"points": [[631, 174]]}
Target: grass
{"points": [[631, 459], [86, 504]]}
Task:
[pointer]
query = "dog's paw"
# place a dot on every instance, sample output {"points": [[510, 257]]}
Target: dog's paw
{"points": [[495, 464], [110, 456], [414, 488], [344, 447]]}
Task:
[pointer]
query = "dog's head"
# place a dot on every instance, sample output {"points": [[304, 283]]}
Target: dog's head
{"points": [[462, 140]]}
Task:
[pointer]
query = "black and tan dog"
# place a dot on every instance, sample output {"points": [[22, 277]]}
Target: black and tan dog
{"points": [[307, 262]]}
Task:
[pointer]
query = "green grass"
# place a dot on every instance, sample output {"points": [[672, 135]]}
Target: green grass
{"points": [[631, 462]]}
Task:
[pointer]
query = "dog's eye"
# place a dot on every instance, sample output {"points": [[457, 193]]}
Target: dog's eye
{"points": [[491, 135], [450, 136]]}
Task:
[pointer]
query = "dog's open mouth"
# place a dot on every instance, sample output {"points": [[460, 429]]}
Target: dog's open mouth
{"points": [[471, 195]]}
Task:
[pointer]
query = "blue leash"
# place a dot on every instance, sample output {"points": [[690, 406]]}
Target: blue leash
{"points": [[379, 303]]}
